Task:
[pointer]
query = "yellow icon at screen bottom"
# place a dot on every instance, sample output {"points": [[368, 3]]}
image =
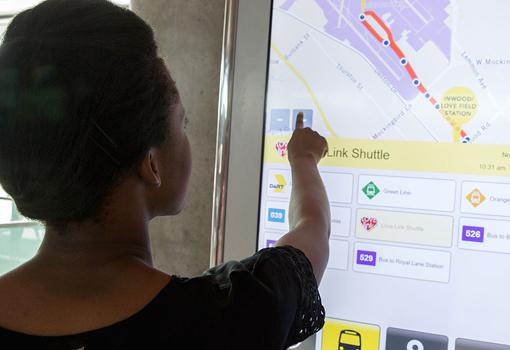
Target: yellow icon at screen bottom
{"points": [[345, 335]]}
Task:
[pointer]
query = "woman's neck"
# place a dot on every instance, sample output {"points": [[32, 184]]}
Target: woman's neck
{"points": [[120, 233], [95, 247]]}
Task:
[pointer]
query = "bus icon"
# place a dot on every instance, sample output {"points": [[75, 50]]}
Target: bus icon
{"points": [[349, 340]]}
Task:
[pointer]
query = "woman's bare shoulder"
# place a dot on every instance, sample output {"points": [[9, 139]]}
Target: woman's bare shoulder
{"points": [[52, 305], [15, 292]]}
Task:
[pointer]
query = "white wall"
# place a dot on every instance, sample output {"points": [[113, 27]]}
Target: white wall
{"points": [[189, 34]]}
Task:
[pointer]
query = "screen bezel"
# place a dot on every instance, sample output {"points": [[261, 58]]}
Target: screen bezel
{"points": [[248, 110], [246, 144]]}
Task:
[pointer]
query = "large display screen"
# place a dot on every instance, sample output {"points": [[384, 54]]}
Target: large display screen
{"points": [[414, 98]]}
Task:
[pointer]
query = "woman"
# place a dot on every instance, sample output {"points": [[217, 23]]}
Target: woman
{"points": [[93, 144]]}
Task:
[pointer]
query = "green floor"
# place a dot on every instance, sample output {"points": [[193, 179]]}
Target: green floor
{"points": [[17, 245]]}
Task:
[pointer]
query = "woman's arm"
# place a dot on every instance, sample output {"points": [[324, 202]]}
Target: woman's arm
{"points": [[310, 220]]}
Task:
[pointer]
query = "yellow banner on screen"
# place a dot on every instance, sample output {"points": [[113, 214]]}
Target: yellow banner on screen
{"points": [[473, 159]]}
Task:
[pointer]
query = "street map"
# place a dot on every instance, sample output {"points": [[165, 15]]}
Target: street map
{"points": [[413, 98], [394, 70]]}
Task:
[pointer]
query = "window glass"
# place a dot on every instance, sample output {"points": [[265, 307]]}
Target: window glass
{"points": [[4, 22], [19, 237], [11, 7]]}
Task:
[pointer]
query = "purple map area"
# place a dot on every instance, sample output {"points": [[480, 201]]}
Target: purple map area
{"points": [[416, 21], [288, 4], [423, 20]]}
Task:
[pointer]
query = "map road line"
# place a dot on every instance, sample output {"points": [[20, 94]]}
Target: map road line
{"points": [[307, 87], [386, 117], [415, 10]]}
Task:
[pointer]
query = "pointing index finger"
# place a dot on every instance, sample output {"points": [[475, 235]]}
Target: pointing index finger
{"points": [[299, 121]]}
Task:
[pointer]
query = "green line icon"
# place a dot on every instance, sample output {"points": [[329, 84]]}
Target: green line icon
{"points": [[371, 190]]}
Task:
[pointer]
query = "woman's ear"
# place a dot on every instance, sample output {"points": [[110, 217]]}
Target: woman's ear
{"points": [[150, 168]]}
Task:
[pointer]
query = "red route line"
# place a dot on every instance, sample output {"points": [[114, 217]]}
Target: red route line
{"points": [[393, 45], [372, 30]]}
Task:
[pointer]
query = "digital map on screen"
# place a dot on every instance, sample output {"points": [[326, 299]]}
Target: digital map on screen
{"points": [[393, 70], [413, 98]]}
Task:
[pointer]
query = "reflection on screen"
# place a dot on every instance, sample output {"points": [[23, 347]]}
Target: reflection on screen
{"points": [[414, 100]]}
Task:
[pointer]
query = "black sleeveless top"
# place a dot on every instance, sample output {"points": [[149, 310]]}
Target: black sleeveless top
{"points": [[269, 301]]}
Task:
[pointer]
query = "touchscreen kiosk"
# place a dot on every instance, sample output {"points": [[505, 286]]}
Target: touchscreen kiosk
{"points": [[414, 99]]}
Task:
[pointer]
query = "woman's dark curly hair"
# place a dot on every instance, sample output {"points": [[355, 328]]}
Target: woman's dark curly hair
{"points": [[83, 97]]}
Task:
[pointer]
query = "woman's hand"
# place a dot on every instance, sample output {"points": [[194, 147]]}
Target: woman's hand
{"points": [[306, 143]]}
